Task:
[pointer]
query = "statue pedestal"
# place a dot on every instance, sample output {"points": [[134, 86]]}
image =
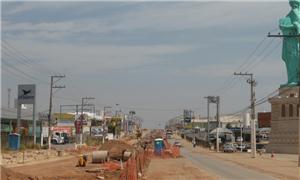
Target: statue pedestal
{"points": [[284, 121]]}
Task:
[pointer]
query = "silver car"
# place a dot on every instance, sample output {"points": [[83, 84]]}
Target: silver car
{"points": [[229, 147]]}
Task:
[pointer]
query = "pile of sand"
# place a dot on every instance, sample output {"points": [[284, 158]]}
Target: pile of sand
{"points": [[116, 148]]}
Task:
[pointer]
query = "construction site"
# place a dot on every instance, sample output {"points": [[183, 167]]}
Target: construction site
{"points": [[125, 159], [146, 90]]}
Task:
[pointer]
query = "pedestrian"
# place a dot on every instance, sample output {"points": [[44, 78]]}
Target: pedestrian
{"points": [[194, 143]]}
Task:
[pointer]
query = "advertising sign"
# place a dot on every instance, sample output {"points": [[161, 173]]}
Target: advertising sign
{"points": [[26, 93], [67, 130], [77, 124], [187, 116]]}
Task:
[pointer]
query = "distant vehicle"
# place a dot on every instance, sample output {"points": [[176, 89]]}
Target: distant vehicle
{"points": [[242, 146], [176, 143], [110, 136], [239, 139], [169, 132], [229, 147], [59, 138]]}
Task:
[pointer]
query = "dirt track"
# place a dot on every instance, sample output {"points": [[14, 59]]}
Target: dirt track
{"points": [[175, 169]]}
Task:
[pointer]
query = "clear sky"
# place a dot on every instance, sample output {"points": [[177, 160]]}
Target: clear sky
{"points": [[156, 58]]}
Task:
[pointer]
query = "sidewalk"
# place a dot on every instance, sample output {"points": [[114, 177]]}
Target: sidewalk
{"points": [[283, 166]]}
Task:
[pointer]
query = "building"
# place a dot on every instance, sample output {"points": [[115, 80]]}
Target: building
{"points": [[264, 119], [9, 124], [284, 121]]}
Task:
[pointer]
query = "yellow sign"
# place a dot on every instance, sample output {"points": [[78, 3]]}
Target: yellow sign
{"points": [[64, 116]]}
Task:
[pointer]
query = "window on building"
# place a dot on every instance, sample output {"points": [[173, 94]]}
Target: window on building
{"points": [[283, 110], [291, 110]]}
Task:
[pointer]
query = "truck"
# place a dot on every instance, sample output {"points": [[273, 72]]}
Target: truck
{"points": [[59, 138]]}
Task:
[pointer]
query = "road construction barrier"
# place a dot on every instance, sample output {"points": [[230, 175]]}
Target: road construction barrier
{"points": [[100, 156], [126, 155], [171, 151], [135, 165]]}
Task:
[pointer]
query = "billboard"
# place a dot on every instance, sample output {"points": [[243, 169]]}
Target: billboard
{"points": [[26, 93], [64, 116], [187, 116]]}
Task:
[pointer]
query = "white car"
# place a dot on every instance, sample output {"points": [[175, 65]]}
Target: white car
{"points": [[239, 139]]}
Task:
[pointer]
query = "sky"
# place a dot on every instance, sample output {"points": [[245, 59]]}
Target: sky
{"points": [[156, 58]]}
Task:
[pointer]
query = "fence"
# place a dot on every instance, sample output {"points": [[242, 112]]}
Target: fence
{"points": [[135, 166]]}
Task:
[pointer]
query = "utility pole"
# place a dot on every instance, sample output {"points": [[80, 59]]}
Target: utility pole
{"points": [[208, 100], [252, 82], [8, 97], [52, 85], [218, 121], [81, 119], [293, 36]]}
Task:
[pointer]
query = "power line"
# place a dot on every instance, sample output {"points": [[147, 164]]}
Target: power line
{"points": [[26, 58], [22, 72], [230, 82]]}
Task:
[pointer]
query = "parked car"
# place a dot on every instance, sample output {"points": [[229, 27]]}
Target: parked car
{"points": [[229, 147], [239, 139], [241, 146]]}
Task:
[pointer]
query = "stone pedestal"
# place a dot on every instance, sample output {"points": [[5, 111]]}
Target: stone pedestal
{"points": [[284, 121]]}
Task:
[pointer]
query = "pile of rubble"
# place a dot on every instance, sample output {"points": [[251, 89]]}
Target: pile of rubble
{"points": [[116, 148], [12, 158]]}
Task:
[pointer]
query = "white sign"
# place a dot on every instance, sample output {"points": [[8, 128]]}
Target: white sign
{"points": [[26, 93]]}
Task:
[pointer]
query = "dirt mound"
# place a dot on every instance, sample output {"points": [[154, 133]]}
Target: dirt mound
{"points": [[7, 174], [116, 147]]}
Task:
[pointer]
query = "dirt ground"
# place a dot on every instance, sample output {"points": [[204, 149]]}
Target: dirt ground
{"points": [[283, 166], [175, 169], [61, 169]]}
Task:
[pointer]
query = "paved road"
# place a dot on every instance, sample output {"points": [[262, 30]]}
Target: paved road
{"points": [[223, 169]]}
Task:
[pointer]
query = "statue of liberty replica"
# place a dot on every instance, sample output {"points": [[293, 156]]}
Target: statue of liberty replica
{"points": [[290, 27], [285, 106]]}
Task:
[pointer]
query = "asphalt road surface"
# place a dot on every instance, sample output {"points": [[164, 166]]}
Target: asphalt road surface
{"points": [[223, 169]]}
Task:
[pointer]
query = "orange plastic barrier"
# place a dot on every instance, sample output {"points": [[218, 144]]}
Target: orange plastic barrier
{"points": [[112, 166], [135, 165]]}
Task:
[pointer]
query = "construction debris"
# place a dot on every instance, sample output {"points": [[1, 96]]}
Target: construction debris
{"points": [[116, 148]]}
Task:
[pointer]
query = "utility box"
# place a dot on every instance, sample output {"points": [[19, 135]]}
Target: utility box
{"points": [[14, 141]]}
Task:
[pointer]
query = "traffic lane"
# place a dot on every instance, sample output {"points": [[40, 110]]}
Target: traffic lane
{"points": [[221, 168]]}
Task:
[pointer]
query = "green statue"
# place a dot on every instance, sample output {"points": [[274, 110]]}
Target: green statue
{"points": [[290, 25]]}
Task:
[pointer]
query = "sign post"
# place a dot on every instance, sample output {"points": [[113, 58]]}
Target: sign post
{"points": [[26, 95]]}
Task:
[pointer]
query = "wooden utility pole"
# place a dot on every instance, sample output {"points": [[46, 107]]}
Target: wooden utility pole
{"points": [[50, 105], [252, 83]]}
